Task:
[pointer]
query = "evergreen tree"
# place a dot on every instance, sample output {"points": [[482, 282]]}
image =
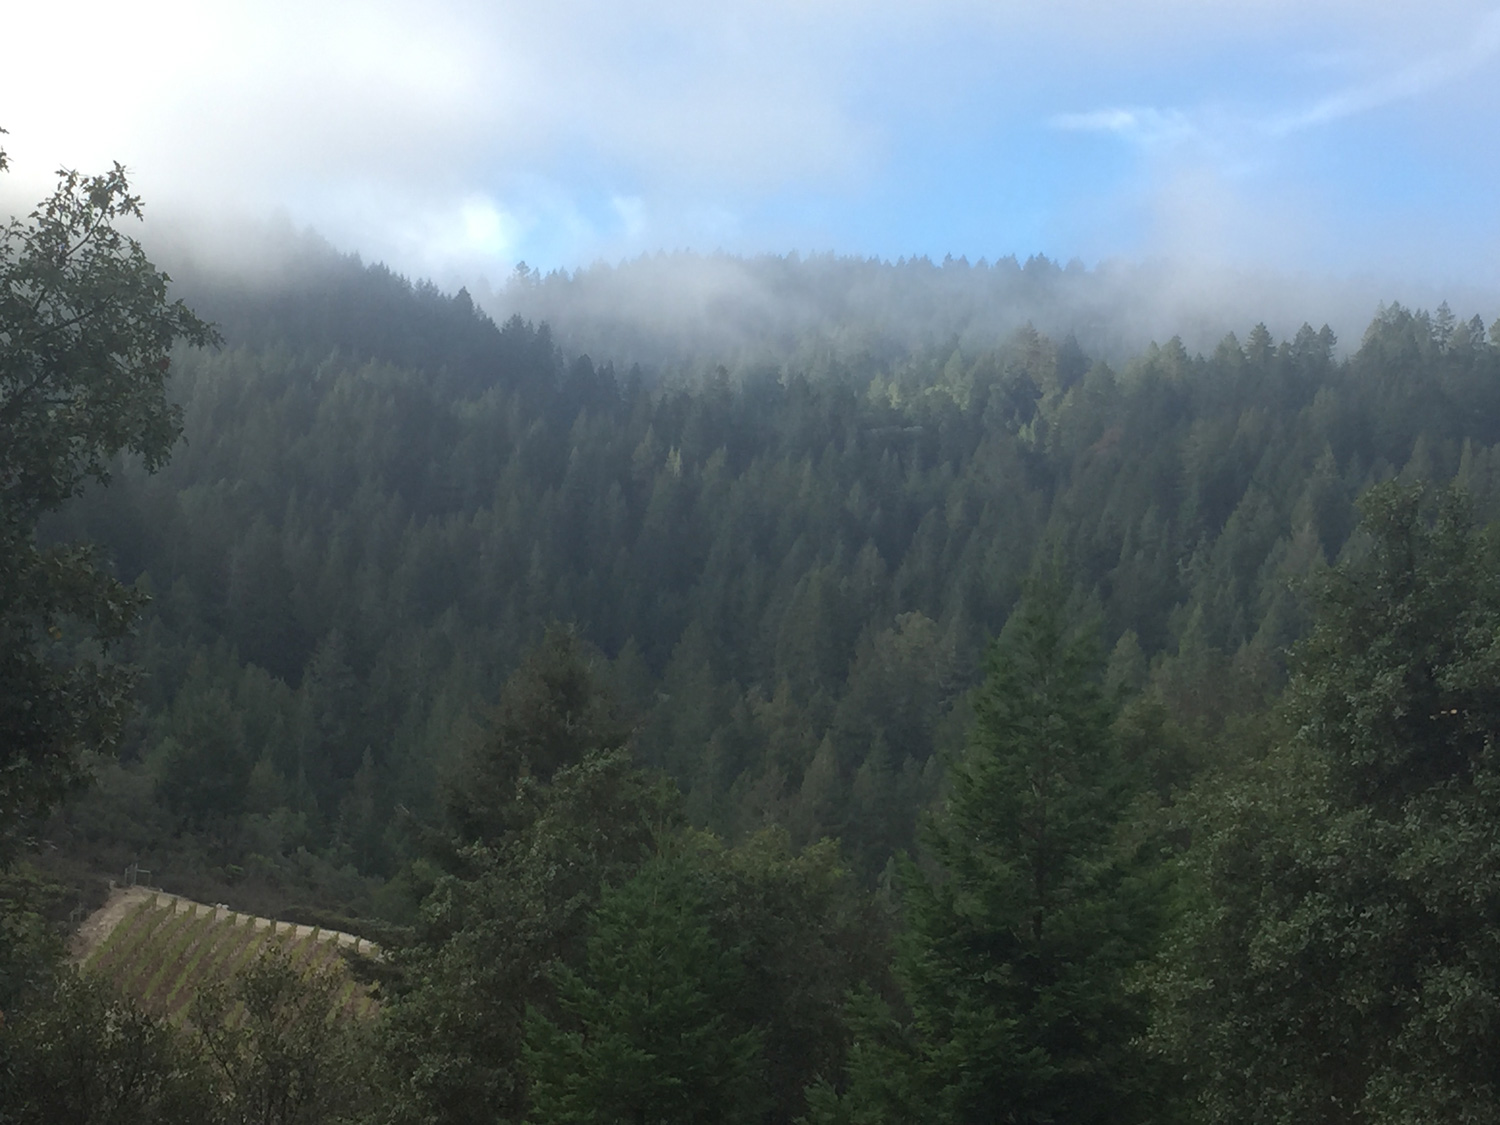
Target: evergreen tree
{"points": [[553, 711], [1022, 934], [1339, 962], [554, 812], [646, 1034]]}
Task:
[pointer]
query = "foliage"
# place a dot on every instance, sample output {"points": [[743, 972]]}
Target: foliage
{"points": [[271, 1043], [1397, 682], [85, 336], [1022, 938], [30, 945], [789, 927], [278, 1046], [790, 572], [453, 1033], [551, 713], [1338, 962], [808, 934], [81, 1055], [648, 1031], [787, 573]]}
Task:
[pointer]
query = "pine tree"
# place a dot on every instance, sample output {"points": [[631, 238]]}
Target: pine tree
{"points": [[647, 1036], [1019, 943]]}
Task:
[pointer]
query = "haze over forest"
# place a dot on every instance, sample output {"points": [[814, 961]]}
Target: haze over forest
{"points": [[827, 563], [1334, 141]]}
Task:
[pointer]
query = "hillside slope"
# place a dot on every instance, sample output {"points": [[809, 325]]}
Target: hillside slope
{"points": [[162, 949]]}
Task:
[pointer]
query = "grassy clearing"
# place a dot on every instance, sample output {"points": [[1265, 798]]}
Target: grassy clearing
{"points": [[166, 949]]}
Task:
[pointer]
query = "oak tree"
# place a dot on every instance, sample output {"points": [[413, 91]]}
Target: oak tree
{"points": [[86, 333]]}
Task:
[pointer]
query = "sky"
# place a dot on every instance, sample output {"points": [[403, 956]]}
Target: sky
{"points": [[452, 139]]}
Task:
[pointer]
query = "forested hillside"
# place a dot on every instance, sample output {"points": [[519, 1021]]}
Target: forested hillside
{"points": [[903, 730], [382, 500]]}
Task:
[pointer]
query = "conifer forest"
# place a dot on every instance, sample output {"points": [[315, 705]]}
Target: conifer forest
{"points": [[931, 704]]}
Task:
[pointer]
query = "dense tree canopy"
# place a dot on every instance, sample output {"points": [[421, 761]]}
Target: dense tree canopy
{"points": [[1340, 962], [610, 700], [1021, 941], [86, 330], [654, 1007]]}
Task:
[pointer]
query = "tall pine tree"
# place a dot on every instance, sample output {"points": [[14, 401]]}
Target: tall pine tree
{"points": [[647, 1034], [1025, 926]]}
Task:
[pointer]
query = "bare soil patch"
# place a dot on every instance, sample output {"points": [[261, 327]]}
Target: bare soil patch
{"points": [[97, 927]]}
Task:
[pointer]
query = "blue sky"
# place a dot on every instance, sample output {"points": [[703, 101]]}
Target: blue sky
{"points": [[454, 139]]}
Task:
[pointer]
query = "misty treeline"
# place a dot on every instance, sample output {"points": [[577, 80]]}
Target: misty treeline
{"points": [[674, 312], [898, 735], [681, 314]]}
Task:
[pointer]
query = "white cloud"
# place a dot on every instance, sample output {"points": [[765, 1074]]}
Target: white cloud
{"points": [[1411, 80], [1142, 124], [613, 126], [1213, 122]]}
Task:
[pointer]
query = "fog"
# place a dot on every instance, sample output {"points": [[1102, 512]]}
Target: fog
{"points": [[688, 312], [666, 311], [451, 140], [1195, 169]]}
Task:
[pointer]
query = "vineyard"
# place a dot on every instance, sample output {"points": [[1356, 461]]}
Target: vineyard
{"points": [[162, 950]]}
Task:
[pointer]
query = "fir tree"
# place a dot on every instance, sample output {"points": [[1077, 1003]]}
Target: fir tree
{"points": [[647, 1037], [1021, 939]]}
